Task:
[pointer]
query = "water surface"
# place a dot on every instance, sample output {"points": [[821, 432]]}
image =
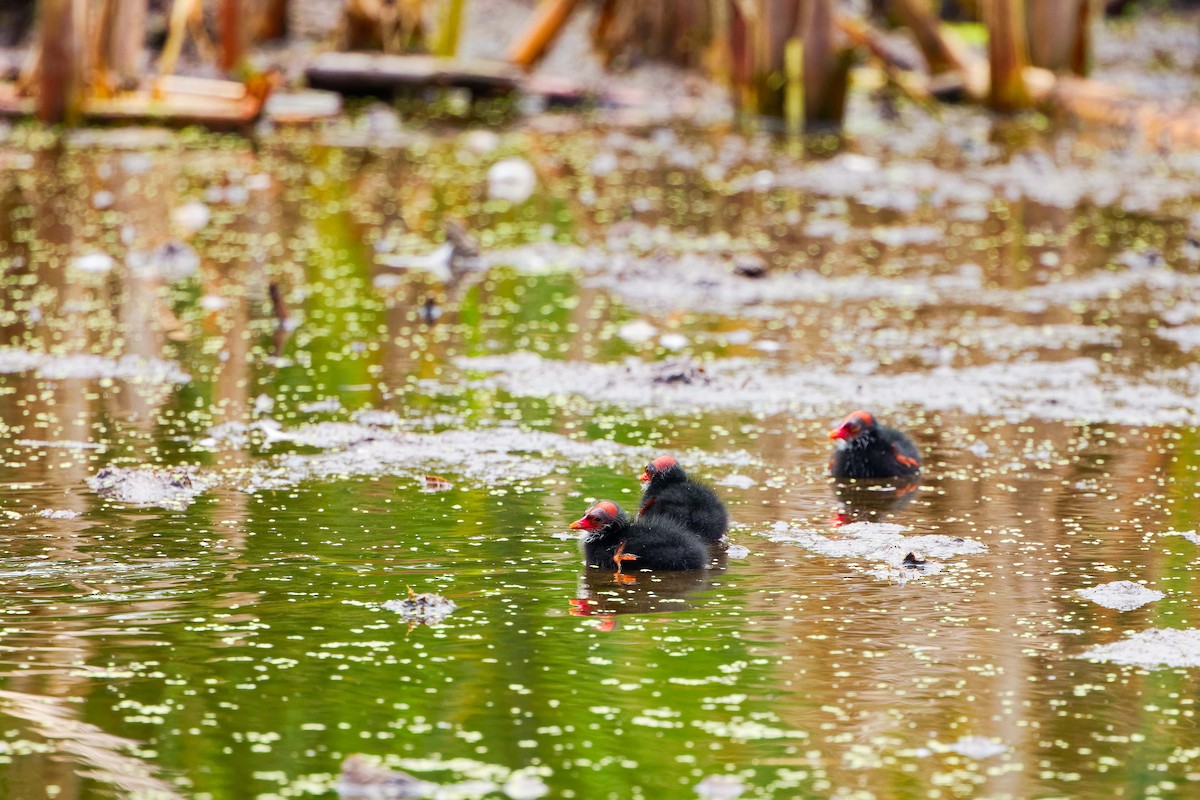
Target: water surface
{"points": [[1023, 302]]}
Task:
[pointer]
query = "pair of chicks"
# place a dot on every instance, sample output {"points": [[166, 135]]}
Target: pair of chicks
{"points": [[677, 520], [678, 517]]}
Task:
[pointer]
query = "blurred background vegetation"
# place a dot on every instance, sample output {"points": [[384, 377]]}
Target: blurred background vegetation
{"points": [[785, 62]]}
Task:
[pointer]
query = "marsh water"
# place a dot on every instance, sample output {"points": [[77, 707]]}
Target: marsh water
{"points": [[210, 498]]}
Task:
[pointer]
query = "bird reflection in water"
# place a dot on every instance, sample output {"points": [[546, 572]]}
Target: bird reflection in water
{"points": [[872, 500], [605, 595]]}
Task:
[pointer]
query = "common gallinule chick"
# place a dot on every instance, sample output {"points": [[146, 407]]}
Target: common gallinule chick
{"points": [[671, 494], [866, 449], [611, 537]]}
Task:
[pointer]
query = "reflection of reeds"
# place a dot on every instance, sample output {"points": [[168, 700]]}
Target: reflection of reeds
{"points": [[98, 754]]}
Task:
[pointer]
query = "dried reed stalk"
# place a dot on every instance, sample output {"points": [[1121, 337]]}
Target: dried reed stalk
{"points": [[1008, 54]]}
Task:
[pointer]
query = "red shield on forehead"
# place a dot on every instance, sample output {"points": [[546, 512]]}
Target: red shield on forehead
{"points": [[862, 416], [608, 507], [664, 462]]}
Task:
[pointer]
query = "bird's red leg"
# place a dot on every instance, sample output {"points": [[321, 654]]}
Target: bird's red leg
{"points": [[619, 558]]}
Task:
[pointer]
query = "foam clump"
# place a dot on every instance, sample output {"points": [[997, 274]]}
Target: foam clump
{"points": [[976, 747], [720, 787], [1076, 390], [1120, 595], [422, 609], [489, 456], [361, 778], [482, 456], [877, 542], [54, 513], [165, 488], [1153, 649]]}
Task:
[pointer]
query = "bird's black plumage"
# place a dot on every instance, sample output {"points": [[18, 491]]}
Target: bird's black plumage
{"points": [[657, 544], [671, 494], [867, 449]]}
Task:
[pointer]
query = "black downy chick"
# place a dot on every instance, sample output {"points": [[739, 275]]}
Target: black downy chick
{"points": [[671, 494], [866, 449], [611, 537]]}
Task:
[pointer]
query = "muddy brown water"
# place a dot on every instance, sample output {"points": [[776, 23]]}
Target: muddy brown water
{"points": [[203, 518]]}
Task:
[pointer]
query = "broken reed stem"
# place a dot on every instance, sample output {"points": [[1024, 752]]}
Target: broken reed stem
{"points": [[926, 30], [272, 21], [1060, 34], [1008, 54], [63, 48], [278, 305], [97, 58], [764, 92], [540, 33], [283, 326], [181, 13], [126, 38], [1081, 55], [229, 15], [449, 29], [787, 66], [793, 101], [717, 57]]}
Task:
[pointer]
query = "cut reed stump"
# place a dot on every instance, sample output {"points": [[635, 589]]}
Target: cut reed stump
{"points": [[679, 32], [767, 82], [1008, 54], [1060, 34], [62, 79], [1153, 123]]}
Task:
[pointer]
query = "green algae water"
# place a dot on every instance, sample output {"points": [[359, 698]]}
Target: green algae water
{"points": [[213, 500]]}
